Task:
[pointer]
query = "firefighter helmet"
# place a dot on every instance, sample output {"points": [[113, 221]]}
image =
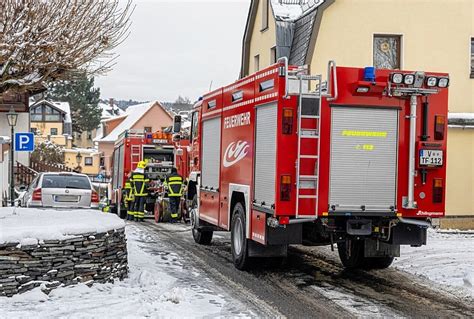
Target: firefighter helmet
{"points": [[141, 164]]}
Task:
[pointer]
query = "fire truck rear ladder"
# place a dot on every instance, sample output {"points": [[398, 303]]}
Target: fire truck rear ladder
{"points": [[135, 155], [313, 101]]}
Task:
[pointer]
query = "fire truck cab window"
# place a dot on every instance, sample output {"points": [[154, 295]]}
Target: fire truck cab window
{"points": [[211, 104], [194, 128], [237, 96], [266, 85]]}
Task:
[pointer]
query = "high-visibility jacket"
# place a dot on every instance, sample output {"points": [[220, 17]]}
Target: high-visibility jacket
{"points": [[174, 185], [139, 184], [128, 191]]}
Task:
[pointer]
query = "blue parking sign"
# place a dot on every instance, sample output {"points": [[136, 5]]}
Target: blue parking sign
{"points": [[24, 142]]}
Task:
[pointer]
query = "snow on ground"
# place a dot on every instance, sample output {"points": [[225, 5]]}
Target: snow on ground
{"points": [[447, 259], [28, 226], [160, 285]]}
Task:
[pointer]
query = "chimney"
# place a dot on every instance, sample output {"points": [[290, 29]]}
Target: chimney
{"points": [[111, 104]]}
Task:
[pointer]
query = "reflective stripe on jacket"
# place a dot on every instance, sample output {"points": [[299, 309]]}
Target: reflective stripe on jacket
{"points": [[174, 185], [128, 191], [139, 184]]}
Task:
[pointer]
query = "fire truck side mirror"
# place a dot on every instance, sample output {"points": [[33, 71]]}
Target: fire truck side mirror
{"points": [[177, 124], [179, 152]]}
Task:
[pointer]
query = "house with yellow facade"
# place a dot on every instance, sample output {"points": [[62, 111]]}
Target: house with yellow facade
{"points": [[51, 121], [435, 35]]}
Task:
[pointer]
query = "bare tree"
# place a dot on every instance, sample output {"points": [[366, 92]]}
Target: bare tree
{"points": [[48, 40]]}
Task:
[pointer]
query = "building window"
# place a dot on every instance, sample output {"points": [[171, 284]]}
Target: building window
{"points": [[472, 58], [256, 62], [88, 161], [51, 115], [387, 51], [36, 114], [273, 55], [53, 131], [45, 113], [265, 7], [147, 129], [89, 135]]}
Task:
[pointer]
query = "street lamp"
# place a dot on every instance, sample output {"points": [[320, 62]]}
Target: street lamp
{"points": [[12, 118]]}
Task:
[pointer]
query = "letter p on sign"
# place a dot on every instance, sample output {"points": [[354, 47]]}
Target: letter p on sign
{"points": [[24, 142]]}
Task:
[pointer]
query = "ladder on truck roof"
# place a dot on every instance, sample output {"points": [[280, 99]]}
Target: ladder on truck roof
{"points": [[307, 163]]}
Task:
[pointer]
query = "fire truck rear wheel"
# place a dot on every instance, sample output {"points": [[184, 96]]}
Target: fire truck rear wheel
{"points": [[238, 240], [353, 256]]}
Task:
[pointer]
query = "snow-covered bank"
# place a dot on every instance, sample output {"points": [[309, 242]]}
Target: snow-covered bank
{"points": [[447, 259], [27, 226], [160, 284]]}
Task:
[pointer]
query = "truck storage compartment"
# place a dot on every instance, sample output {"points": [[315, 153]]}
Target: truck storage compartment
{"points": [[363, 167], [265, 154], [211, 142]]}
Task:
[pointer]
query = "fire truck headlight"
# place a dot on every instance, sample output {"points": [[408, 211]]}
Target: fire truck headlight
{"points": [[397, 78], [443, 82], [431, 81], [409, 79]]}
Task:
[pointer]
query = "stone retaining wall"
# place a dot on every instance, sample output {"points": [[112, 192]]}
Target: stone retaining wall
{"points": [[85, 258]]}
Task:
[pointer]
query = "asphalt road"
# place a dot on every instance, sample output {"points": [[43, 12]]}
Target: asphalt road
{"points": [[312, 283]]}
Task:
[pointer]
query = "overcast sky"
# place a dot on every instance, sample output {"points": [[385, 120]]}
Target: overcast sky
{"points": [[178, 48]]}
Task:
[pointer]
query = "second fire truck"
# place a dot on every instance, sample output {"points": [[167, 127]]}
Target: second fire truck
{"points": [[161, 150], [359, 161]]}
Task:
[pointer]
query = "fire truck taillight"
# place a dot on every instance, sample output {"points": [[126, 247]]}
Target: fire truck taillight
{"points": [[285, 187], [287, 125], [440, 122], [438, 190]]}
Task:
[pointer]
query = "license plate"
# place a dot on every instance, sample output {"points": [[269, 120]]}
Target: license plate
{"points": [[431, 157], [66, 198]]}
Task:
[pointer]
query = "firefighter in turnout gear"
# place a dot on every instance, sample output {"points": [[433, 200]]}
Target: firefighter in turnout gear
{"points": [[140, 192], [174, 187], [129, 198]]}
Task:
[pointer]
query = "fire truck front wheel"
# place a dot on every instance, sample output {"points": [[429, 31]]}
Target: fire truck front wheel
{"points": [[239, 243]]}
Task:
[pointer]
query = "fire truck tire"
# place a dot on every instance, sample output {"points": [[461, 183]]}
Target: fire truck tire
{"points": [[202, 237], [239, 244], [353, 256]]}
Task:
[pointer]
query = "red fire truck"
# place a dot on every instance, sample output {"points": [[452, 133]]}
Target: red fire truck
{"points": [[162, 150], [281, 157]]}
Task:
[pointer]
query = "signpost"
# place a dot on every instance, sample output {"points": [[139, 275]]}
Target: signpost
{"points": [[24, 142]]}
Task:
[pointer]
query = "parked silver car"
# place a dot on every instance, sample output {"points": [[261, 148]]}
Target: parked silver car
{"points": [[60, 190]]}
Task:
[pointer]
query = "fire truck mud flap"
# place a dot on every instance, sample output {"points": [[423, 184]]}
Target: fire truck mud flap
{"points": [[258, 250]]}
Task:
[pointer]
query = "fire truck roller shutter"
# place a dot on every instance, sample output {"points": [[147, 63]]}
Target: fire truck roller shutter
{"points": [[265, 153], [121, 165], [363, 167], [211, 141]]}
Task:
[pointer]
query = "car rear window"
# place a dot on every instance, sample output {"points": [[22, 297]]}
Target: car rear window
{"points": [[65, 181]]}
